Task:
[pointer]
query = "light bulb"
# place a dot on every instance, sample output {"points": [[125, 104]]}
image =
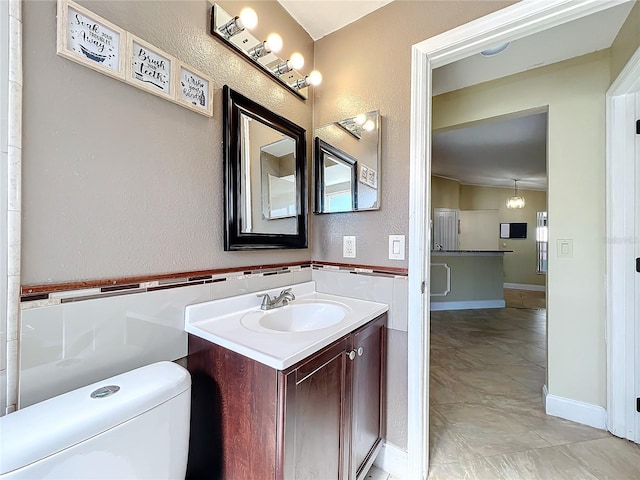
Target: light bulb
{"points": [[296, 61], [360, 119], [369, 125], [314, 78], [274, 42], [249, 18]]}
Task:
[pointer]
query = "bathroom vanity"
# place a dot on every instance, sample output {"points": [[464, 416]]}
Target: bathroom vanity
{"points": [[292, 411]]}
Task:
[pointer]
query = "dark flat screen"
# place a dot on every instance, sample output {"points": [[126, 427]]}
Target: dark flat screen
{"points": [[518, 230]]}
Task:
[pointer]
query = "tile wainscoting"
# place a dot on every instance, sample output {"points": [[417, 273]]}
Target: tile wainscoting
{"points": [[73, 337]]}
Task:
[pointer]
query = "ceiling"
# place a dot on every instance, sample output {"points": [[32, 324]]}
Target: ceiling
{"points": [[488, 153], [322, 17], [494, 152]]}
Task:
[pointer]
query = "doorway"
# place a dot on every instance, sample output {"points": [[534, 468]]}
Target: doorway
{"points": [[514, 22]]}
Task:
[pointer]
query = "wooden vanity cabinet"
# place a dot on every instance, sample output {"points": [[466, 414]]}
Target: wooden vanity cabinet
{"points": [[319, 419]]}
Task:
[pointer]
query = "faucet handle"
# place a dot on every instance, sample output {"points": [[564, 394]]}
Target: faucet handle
{"points": [[288, 294], [266, 299]]}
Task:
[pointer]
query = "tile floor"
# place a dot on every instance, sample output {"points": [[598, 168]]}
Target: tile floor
{"points": [[487, 421]]}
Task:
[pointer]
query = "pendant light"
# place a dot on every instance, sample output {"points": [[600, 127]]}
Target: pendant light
{"points": [[515, 201]]}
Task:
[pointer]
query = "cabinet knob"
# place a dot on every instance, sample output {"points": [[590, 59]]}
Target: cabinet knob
{"points": [[360, 351], [352, 354]]}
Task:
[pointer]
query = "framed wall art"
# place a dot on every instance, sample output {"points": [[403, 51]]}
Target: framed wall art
{"points": [[363, 173], [149, 68], [194, 89], [372, 178], [90, 40]]}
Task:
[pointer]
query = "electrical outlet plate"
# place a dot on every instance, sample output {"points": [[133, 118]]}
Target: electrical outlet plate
{"points": [[349, 247]]}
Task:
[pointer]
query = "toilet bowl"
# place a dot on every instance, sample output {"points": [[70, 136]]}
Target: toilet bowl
{"points": [[131, 426]]}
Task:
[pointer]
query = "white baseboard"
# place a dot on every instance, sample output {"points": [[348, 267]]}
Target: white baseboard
{"points": [[467, 305], [526, 286], [392, 459], [580, 412]]}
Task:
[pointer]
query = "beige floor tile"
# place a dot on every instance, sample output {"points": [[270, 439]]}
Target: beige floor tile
{"points": [[558, 431], [487, 419], [478, 469], [548, 463], [529, 352], [490, 355], [607, 458]]}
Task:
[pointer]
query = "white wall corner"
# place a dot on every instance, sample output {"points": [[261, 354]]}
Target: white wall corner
{"points": [[392, 459], [576, 411]]}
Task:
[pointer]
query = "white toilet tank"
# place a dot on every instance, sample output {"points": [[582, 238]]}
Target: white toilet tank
{"points": [[136, 427]]}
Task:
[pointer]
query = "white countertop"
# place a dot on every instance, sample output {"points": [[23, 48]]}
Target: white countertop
{"points": [[219, 321]]}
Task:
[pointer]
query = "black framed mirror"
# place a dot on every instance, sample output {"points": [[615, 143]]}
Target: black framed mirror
{"points": [[265, 157], [336, 177]]}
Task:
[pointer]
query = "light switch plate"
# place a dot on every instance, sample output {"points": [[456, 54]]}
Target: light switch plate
{"points": [[349, 247], [565, 247], [396, 247]]}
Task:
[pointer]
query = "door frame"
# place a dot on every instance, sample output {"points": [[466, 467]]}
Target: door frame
{"points": [[511, 23], [622, 338]]}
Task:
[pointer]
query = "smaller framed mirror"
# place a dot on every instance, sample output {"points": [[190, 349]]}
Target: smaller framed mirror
{"points": [[264, 173], [336, 179], [346, 157]]}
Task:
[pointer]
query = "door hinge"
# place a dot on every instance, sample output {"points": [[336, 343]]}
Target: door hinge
{"points": [[638, 264], [423, 287], [638, 127], [638, 404]]}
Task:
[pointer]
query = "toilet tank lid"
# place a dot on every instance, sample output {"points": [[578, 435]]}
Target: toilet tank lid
{"points": [[40, 430]]}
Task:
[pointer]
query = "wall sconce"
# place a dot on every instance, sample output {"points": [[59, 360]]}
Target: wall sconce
{"points": [[233, 31]]}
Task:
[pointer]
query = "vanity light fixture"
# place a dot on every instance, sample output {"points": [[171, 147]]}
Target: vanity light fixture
{"points": [[357, 125], [233, 31], [490, 52], [247, 19], [515, 201], [313, 79], [273, 43], [296, 62]]}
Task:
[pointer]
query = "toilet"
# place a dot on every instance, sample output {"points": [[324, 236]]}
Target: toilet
{"points": [[131, 426]]}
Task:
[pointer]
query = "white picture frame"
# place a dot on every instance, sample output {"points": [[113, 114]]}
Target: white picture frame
{"points": [[193, 89], [363, 173], [372, 178], [149, 68], [90, 40]]}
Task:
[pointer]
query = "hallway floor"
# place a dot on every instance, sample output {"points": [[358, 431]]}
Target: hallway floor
{"points": [[487, 419]]}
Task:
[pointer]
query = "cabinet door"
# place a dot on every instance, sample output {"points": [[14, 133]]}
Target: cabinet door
{"points": [[315, 416], [368, 393]]}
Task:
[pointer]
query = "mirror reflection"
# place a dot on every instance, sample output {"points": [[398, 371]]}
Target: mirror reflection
{"points": [[347, 164], [269, 162], [337, 179]]}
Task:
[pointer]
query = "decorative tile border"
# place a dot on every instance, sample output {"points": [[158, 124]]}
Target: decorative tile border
{"points": [[362, 269], [36, 296]]}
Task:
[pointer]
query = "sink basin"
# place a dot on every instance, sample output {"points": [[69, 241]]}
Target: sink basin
{"points": [[299, 316]]}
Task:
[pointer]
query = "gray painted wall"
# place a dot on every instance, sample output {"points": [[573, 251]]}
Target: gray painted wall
{"points": [[366, 67], [118, 182]]}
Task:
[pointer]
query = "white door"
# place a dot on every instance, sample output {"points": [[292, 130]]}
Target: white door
{"points": [[445, 229]]}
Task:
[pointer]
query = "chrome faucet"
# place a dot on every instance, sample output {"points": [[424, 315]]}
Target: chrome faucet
{"points": [[281, 300]]}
